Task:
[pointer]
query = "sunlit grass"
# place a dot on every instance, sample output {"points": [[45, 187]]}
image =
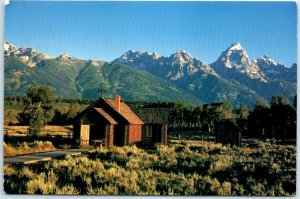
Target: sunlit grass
{"points": [[182, 168], [28, 148]]}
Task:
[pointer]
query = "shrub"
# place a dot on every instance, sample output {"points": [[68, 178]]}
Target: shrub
{"points": [[67, 190], [223, 163], [226, 189], [8, 170]]}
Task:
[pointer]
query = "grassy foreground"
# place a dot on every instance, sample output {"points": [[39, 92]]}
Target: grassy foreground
{"points": [[182, 168], [27, 148]]}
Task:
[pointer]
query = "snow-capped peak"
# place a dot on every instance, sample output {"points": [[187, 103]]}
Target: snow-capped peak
{"points": [[235, 56], [235, 46], [268, 60], [182, 51], [236, 59]]}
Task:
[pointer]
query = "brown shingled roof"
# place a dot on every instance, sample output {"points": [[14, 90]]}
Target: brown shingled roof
{"points": [[106, 115], [126, 112]]}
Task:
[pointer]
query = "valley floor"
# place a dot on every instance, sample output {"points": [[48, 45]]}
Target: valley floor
{"points": [[182, 168]]}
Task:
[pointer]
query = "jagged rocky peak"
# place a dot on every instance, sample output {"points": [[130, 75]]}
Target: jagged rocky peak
{"points": [[275, 70], [184, 54], [28, 55], [235, 56], [155, 55], [236, 46], [126, 57], [64, 55], [144, 52], [130, 52], [181, 57], [268, 62], [133, 55], [136, 52], [188, 65], [27, 52], [8, 47], [177, 65], [66, 59], [267, 59]]}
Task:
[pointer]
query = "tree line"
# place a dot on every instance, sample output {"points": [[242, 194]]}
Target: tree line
{"points": [[21, 99], [277, 120]]}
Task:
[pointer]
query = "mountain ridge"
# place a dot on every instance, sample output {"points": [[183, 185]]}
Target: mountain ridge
{"points": [[233, 68], [233, 77], [83, 79]]}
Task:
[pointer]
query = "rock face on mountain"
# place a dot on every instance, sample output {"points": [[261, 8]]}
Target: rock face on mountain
{"points": [[9, 48], [258, 75], [178, 66], [232, 76], [189, 74], [234, 63], [140, 75], [292, 73], [274, 70], [28, 55], [74, 78]]}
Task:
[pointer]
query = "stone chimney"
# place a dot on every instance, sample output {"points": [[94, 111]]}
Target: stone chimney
{"points": [[118, 102]]}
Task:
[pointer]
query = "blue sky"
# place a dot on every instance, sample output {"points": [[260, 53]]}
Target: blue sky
{"points": [[105, 30]]}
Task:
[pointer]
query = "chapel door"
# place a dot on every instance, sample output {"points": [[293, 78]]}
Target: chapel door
{"points": [[85, 134]]}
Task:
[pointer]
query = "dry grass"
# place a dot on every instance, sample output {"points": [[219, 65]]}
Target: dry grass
{"points": [[207, 169], [28, 148], [248, 150], [11, 115], [65, 131]]}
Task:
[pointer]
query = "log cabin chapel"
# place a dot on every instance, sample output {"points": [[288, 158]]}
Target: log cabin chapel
{"points": [[110, 123]]}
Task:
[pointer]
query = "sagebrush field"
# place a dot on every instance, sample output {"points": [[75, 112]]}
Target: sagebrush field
{"points": [[182, 168]]}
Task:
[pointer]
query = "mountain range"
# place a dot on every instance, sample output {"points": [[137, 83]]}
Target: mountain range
{"points": [[140, 75]]}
